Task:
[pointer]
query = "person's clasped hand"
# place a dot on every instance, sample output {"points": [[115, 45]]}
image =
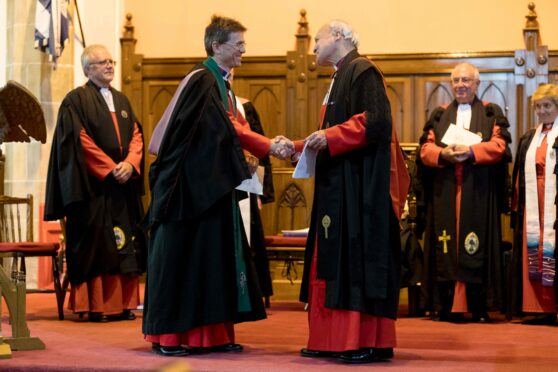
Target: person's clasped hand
{"points": [[455, 153], [122, 172], [281, 147]]}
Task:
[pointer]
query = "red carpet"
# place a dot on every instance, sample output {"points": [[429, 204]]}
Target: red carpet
{"points": [[273, 345]]}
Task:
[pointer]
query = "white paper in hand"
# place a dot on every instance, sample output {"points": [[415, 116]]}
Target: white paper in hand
{"points": [[306, 166], [251, 185], [460, 136]]}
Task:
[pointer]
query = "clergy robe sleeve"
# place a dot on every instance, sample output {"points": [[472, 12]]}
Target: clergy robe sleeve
{"points": [[492, 151], [299, 145], [135, 150], [347, 136], [257, 144], [97, 162], [430, 152]]}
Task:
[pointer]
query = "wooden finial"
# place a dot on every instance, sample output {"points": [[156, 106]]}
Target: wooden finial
{"points": [[302, 24], [128, 27], [531, 17], [531, 34]]}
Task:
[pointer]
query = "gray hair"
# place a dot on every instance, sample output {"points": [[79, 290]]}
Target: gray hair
{"points": [[343, 28], [86, 55]]}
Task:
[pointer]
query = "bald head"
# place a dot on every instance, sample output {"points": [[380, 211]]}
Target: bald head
{"points": [[333, 41], [465, 80]]}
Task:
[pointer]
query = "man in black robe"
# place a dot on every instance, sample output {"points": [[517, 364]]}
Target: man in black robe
{"points": [[464, 189], [257, 235], [351, 268], [200, 278], [95, 183]]}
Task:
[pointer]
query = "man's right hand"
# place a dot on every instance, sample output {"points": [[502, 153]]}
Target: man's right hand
{"points": [[281, 147]]}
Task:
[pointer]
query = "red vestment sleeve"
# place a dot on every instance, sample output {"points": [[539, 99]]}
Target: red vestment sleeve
{"points": [[97, 162], [257, 144], [347, 136], [299, 145], [430, 152], [135, 150], [492, 151]]}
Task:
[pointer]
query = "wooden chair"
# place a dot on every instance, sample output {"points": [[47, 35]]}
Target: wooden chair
{"points": [[16, 242]]}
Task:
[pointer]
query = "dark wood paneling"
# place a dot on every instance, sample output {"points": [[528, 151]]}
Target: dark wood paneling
{"points": [[288, 91]]}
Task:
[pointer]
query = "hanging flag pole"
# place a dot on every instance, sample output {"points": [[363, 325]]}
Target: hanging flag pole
{"points": [[79, 22]]}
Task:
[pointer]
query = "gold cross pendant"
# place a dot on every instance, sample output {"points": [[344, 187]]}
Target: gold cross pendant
{"points": [[444, 238]]}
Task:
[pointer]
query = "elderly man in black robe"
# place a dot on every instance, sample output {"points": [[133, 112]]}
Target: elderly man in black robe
{"points": [[352, 264], [464, 189], [95, 183]]}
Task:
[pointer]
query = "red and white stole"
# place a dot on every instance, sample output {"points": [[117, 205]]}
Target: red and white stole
{"points": [[533, 230]]}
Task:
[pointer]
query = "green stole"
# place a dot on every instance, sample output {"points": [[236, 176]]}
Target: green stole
{"points": [[243, 297]]}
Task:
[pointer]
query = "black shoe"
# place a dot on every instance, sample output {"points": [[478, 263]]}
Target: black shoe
{"points": [[98, 317], [456, 318], [546, 319], [176, 351], [381, 352], [359, 356], [309, 353], [124, 315], [127, 314], [481, 318], [227, 348]]}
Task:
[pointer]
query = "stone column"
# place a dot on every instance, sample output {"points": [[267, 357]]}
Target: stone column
{"points": [[26, 163]]}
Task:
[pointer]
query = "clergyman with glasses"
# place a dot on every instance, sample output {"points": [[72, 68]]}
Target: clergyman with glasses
{"points": [[95, 183], [465, 154], [201, 278]]}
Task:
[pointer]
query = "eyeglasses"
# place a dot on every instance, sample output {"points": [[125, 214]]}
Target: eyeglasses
{"points": [[464, 80], [241, 45], [104, 62]]}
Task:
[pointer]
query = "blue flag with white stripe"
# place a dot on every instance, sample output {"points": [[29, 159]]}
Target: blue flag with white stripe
{"points": [[51, 27]]}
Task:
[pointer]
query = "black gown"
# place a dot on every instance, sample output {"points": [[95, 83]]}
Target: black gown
{"points": [[483, 200], [360, 258], [257, 236], [191, 271], [92, 207]]}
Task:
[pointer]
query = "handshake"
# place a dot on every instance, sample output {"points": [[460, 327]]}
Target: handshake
{"points": [[282, 147]]}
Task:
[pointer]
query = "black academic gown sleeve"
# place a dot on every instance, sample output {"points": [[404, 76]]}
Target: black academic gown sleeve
{"points": [[201, 139]]}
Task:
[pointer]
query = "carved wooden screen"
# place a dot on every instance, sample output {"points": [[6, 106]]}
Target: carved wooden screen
{"points": [[288, 90]]}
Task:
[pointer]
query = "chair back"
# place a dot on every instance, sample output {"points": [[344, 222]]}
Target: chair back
{"points": [[16, 219], [292, 211]]}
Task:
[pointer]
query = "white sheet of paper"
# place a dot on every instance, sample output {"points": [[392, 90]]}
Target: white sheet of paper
{"points": [[306, 166], [460, 136], [244, 206], [251, 185]]}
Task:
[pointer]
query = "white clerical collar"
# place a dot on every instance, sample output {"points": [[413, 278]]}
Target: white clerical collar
{"points": [[107, 95], [463, 119]]}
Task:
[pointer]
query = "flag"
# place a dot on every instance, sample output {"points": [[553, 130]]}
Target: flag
{"points": [[51, 27]]}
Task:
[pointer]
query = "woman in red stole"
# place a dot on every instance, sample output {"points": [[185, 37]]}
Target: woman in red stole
{"points": [[534, 260]]}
